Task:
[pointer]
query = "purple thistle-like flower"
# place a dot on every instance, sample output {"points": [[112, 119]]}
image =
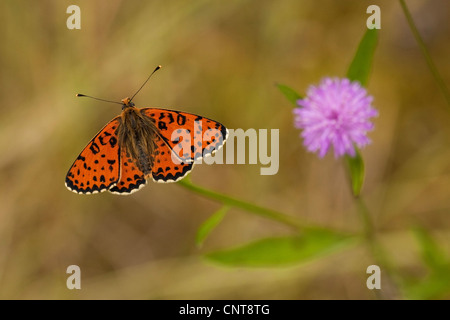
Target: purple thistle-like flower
{"points": [[335, 113]]}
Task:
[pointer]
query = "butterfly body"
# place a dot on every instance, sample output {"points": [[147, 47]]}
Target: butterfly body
{"points": [[142, 143], [137, 134]]}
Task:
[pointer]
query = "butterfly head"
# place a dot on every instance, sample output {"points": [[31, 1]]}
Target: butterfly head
{"points": [[127, 103]]}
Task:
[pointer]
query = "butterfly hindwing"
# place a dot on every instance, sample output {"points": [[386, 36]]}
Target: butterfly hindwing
{"points": [[167, 168], [131, 178], [190, 136], [97, 168]]}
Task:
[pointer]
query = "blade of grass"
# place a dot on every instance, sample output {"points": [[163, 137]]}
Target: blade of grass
{"points": [[355, 167], [289, 93], [247, 206], [435, 73], [210, 224], [281, 251], [359, 69]]}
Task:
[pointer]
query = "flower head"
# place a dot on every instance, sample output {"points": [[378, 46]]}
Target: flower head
{"points": [[335, 113]]}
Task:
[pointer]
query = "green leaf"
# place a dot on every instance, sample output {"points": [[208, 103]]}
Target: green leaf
{"points": [[209, 225], [360, 67], [281, 251], [289, 93], [355, 167]]}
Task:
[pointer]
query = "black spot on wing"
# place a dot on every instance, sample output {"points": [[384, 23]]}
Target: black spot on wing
{"points": [[124, 189], [162, 125], [217, 140], [160, 176], [73, 186]]}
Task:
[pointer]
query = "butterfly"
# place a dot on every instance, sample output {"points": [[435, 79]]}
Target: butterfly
{"points": [[141, 143]]}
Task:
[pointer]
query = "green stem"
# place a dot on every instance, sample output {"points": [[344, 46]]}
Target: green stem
{"points": [[425, 53], [367, 221], [377, 250], [230, 201]]}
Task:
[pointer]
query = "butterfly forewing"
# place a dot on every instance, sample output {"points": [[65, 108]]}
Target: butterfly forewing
{"points": [[190, 136], [97, 167]]}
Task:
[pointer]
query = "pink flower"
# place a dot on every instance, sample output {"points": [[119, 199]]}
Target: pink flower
{"points": [[335, 113]]}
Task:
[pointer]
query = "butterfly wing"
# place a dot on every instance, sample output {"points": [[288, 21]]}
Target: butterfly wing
{"points": [[164, 168], [131, 178], [97, 167], [190, 136]]}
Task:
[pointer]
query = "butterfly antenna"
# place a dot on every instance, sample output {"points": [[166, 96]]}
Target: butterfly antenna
{"points": [[156, 69], [83, 95]]}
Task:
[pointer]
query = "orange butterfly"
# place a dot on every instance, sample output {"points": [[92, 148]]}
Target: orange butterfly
{"points": [[143, 143]]}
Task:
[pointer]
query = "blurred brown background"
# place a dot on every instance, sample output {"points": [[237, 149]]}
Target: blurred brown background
{"points": [[220, 59]]}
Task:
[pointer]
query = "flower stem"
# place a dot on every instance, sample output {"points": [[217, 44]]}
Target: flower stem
{"points": [[426, 54], [378, 252], [250, 207], [367, 221]]}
